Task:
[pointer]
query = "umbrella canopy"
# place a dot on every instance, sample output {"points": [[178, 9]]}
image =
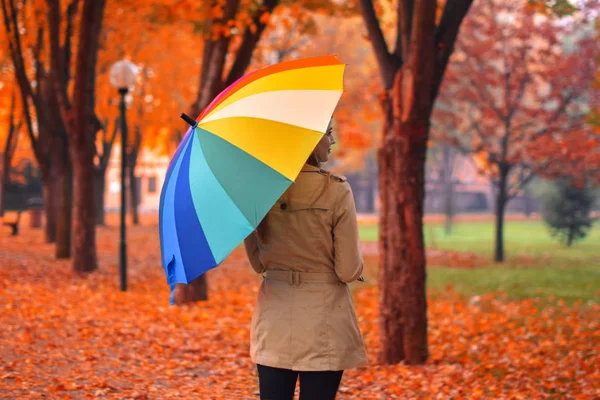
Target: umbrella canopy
{"points": [[241, 154]]}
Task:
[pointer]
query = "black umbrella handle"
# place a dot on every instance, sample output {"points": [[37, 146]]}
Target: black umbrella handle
{"points": [[189, 119]]}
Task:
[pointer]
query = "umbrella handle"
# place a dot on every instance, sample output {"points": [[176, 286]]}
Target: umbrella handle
{"points": [[189, 120]]}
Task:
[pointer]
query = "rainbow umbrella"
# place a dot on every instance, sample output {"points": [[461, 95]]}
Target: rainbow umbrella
{"points": [[240, 155]]}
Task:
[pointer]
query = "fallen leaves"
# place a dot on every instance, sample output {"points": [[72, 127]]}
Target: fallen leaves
{"points": [[64, 336], [452, 259]]}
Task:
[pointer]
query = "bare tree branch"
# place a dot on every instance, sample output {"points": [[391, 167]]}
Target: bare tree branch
{"points": [[67, 49], [40, 71], [485, 96], [526, 174], [16, 52], [405, 15], [211, 81], [249, 42], [11, 27], [445, 37], [58, 70], [560, 111], [512, 107], [388, 64]]}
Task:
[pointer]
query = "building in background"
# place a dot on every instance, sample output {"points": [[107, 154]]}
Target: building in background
{"points": [[150, 174]]}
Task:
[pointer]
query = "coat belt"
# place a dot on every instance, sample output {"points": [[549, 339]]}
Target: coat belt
{"points": [[297, 277]]}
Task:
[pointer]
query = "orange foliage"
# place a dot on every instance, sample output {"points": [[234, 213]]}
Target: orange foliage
{"points": [[67, 337], [358, 116], [166, 39], [516, 93], [168, 55], [8, 94]]}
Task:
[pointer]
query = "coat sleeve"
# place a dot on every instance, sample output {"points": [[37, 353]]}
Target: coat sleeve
{"points": [[251, 244], [346, 243]]}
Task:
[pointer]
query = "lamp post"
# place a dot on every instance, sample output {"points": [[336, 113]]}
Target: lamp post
{"points": [[123, 75]]}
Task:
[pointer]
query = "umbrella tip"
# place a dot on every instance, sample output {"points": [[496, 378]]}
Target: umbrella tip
{"points": [[189, 120]]}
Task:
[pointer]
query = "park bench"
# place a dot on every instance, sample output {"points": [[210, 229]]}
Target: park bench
{"points": [[12, 219], [13, 211]]}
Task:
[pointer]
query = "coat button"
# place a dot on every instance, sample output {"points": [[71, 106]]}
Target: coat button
{"points": [[283, 206]]}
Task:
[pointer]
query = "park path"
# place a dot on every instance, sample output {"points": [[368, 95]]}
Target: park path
{"points": [[68, 337]]}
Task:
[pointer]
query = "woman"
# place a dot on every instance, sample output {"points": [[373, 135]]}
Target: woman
{"points": [[307, 249]]}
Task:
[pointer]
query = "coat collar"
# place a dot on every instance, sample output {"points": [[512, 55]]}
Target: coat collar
{"points": [[310, 168]]}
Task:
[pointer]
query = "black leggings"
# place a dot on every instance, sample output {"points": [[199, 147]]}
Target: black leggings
{"points": [[280, 384]]}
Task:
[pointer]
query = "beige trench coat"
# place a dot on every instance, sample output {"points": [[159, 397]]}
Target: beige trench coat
{"points": [[304, 317]]}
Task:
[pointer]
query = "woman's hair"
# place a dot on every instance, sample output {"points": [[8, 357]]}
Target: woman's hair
{"points": [[313, 160]]}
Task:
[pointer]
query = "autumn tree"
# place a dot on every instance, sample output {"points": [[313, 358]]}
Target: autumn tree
{"points": [[164, 87], [104, 145], [411, 74], [79, 118], [288, 36], [512, 87], [135, 144], [13, 126], [558, 8], [107, 110], [577, 155], [19, 46], [26, 32]]}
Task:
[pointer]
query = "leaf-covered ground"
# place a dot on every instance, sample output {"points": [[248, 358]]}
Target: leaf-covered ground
{"points": [[64, 336]]}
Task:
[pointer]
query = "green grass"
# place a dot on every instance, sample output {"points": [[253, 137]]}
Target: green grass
{"points": [[521, 238], [537, 265], [570, 284]]}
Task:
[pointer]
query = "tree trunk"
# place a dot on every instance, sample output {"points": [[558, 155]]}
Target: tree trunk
{"points": [[100, 170], [571, 235], [448, 189], [402, 301], [413, 72], [63, 185], [528, 202], [134, 195], [197, 290], [3, 183], [49, 184], [84, 212], [64, 208], [82, 133], [12, 138], [448, 207], [4, 180], [100, 185], [501, 200], [58, 145], [132, 162]]}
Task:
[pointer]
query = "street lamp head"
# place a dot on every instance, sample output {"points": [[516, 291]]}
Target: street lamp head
{"points": [[123, 75]]}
